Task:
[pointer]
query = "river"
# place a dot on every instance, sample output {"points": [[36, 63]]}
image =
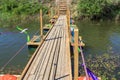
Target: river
{"points": [[99, 38], [11, 41], [102, 48]]}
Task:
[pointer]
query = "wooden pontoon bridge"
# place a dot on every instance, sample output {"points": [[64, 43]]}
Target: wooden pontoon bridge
{"points": [[52, 58]]}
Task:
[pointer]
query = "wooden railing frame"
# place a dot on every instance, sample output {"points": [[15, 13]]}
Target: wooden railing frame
{"points": [[68, 21], [76, 55]]}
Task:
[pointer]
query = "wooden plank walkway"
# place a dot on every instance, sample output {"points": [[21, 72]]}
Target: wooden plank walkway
{"points": [[52, 58]]}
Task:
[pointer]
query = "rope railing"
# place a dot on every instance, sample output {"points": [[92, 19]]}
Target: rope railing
{"points": [[3, 67], [22, 47]]}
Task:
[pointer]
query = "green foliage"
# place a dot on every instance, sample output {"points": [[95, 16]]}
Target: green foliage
{"points": [[19, 7], [96, 9], [14, 12]]}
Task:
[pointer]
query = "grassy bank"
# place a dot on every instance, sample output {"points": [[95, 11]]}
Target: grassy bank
{"points": [[99, 9], [15, 12]]}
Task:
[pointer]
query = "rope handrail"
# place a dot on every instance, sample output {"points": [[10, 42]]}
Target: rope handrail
{"points": [[3, 67]]}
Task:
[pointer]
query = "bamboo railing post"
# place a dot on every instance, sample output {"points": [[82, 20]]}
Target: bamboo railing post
{"points": [[68, 22], [41, 25], [76, 55]]}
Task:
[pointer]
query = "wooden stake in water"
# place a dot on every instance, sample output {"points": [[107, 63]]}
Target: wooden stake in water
{"points": [[41, 24]]}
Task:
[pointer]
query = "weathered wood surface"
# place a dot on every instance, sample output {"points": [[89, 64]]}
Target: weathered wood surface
{"points": [[52, 61]]}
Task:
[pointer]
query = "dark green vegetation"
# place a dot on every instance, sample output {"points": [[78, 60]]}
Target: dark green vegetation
{"points": [[19, 10], [21, 7], [99, 9]]}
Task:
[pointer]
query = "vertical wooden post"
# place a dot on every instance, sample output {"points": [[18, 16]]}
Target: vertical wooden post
{"points": [[76, 56], [68, 22], [51, 13], [41, 24], [59, 9]]}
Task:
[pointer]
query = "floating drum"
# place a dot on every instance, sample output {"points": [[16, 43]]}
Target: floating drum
{"points": [[83, 78], [8, 77]]}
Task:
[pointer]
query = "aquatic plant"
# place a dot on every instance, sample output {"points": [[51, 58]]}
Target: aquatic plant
{"points": [[105, 66]]}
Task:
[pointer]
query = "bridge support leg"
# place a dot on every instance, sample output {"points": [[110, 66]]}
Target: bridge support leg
{"points": [[68, 22], [41, 25], [76, 55]]}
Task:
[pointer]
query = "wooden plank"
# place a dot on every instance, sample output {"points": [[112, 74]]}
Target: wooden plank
{"points": [[54, 33], [65, 72], [35, 60], [33, 56], [67, 68], [28, 74], [33, 43], [51, 56], [68, 52], [38, 56], [53, 70], [60, 58], [61, 55], [43, 54], [46, 59], [55, 56], [41, 24], [52, 61], [62, 68]]}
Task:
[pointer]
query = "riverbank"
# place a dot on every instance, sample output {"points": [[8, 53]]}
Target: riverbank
{"points": [[22, 20], [15, 12], [101, 51], [96, 10]]}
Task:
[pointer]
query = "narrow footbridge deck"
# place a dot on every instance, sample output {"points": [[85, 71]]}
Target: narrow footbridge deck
{"points": [[51, 60]]}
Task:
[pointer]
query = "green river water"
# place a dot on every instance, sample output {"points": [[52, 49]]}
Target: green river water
{"points": [[100, 37]]}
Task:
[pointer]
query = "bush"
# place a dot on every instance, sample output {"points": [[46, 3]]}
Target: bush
{"points": [[21, 7], [96, 9]]}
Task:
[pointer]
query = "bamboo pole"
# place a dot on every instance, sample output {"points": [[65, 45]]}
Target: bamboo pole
{"points": [[68, 21], [76, 56], [41, 24], [84, 65]]}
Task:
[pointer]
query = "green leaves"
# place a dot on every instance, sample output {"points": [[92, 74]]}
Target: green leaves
{"points": [[21, 7], [97, 8]]}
